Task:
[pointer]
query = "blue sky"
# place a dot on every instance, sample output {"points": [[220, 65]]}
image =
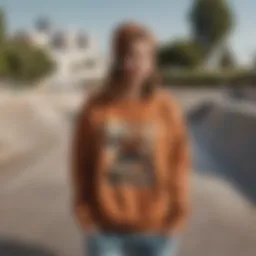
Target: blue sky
{"points": [[167, 18]]}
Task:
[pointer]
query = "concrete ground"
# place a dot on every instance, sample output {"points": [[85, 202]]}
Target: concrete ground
{"points": [[36, 216]]}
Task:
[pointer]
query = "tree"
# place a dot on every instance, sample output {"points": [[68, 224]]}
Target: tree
{"points": [[181, 53], [2, 27], [3, 64], [254, 63], [211, 22], [227, 60]]}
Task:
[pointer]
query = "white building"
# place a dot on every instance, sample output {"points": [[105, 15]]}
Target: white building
{"points": [[77, 55]]}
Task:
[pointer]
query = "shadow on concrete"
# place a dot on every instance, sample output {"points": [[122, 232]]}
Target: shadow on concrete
{"points": [[18, 248], [224, 144], [199, 113]]}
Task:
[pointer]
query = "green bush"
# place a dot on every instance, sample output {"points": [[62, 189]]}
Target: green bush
{"points": [[180, 53], [232, 77], [3, 65], [25, 62], [21, 61]]}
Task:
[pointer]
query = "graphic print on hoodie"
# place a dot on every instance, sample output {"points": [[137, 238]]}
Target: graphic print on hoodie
{"points": [[129, 147]]}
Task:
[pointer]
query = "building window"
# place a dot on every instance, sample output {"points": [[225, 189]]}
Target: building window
{"points": [[82, 41], [88, 64], [58, 41]]}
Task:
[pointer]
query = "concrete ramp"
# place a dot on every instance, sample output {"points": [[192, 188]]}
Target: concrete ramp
{"points": [[227, 131], [28, 128]]}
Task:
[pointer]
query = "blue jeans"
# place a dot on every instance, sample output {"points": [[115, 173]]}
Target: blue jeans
{"points": [[130, 245]]}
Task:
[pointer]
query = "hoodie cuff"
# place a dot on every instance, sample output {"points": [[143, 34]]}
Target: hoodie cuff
{"points": [[83, 216], [177, 221]]}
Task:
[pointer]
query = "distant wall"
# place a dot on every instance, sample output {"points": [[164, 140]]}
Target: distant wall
{"points": [[244, 93]]}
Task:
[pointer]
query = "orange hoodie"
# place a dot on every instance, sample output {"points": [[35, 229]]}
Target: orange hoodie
{"points": [[131, 166]]}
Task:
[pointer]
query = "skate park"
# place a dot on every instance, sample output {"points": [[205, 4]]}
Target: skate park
{"points": [[34, 192]]}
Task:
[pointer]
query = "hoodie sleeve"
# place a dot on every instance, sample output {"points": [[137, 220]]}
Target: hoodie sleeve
{"points": [[180, 165], [81, 169]]}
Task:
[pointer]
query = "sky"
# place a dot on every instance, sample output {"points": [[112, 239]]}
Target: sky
{"points": [[168, 19]]}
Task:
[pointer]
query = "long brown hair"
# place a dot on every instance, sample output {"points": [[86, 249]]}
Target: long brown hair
{"points": [[123, 37]]}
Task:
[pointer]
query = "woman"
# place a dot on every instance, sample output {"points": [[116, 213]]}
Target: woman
{"points": [[130, 157]]}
